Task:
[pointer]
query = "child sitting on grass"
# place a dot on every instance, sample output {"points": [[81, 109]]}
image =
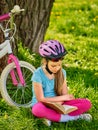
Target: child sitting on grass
{"points": [[49, 85]]}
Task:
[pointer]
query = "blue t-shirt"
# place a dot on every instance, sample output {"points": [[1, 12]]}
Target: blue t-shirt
{"points": [[47, 84]]}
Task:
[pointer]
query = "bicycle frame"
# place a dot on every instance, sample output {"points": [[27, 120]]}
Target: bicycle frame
{"points": [[6, 48], [14, 59]]}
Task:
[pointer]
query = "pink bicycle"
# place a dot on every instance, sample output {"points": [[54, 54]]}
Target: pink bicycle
{"points": [[15, 81]]}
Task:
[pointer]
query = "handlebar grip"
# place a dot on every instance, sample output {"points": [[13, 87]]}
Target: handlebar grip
{"points": [[4, 17]]}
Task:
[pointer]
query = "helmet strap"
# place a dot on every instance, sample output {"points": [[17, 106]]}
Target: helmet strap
{"points": [[49, 71]]}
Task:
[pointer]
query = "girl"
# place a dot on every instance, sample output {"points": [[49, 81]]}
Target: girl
{"points": [[49, 85]]}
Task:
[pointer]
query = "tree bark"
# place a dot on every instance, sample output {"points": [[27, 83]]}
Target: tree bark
{"points": [[3, 61], [32, 24]]}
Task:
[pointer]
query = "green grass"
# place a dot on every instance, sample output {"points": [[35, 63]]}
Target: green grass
{"points": [[75, 24]]}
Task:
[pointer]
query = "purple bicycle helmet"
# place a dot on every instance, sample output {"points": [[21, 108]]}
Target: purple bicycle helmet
{"points": [[52, 49]]}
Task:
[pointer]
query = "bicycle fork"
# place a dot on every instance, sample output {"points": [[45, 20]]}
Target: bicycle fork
{"points": [[14, 59]]}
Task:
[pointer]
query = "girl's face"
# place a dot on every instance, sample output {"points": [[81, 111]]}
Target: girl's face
{"points": [[54, 67]]}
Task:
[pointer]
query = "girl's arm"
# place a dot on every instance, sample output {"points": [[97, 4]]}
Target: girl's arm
{"points": [[40, 95], [65, 88]]}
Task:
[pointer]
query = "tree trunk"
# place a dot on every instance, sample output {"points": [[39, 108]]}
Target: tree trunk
{"points": [[32, 24], [3, 61]]}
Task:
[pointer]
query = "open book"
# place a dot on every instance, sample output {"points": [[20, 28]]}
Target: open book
{"points": [[62, 109]]}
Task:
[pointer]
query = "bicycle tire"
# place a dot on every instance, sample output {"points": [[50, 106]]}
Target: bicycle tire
{"points": [[19, 96]]}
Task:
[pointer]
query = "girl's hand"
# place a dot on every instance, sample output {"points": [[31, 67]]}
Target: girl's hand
{"points": [[60, 102], [68, 97]]}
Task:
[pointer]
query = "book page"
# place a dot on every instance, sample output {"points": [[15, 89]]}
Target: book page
{"points": [[62, 109]]}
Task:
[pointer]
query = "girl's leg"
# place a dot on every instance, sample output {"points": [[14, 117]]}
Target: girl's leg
{"points": [[82, 104], [42, 111]]}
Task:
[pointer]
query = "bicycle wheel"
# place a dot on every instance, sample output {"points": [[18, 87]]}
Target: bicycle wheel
{"points": [[20, 96]]}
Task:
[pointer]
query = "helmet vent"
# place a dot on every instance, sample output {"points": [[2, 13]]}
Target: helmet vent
{"points": [[51, 48], [57, 49], [46, 50]]}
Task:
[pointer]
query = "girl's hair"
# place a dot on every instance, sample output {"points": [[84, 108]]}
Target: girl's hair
{"points": [[59, 79]]}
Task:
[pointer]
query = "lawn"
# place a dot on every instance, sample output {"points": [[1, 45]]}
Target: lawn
{"points": [[75, 24]]}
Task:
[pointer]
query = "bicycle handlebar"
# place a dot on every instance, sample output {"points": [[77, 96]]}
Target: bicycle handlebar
{"points": [[4, 17], [15, 10]]}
